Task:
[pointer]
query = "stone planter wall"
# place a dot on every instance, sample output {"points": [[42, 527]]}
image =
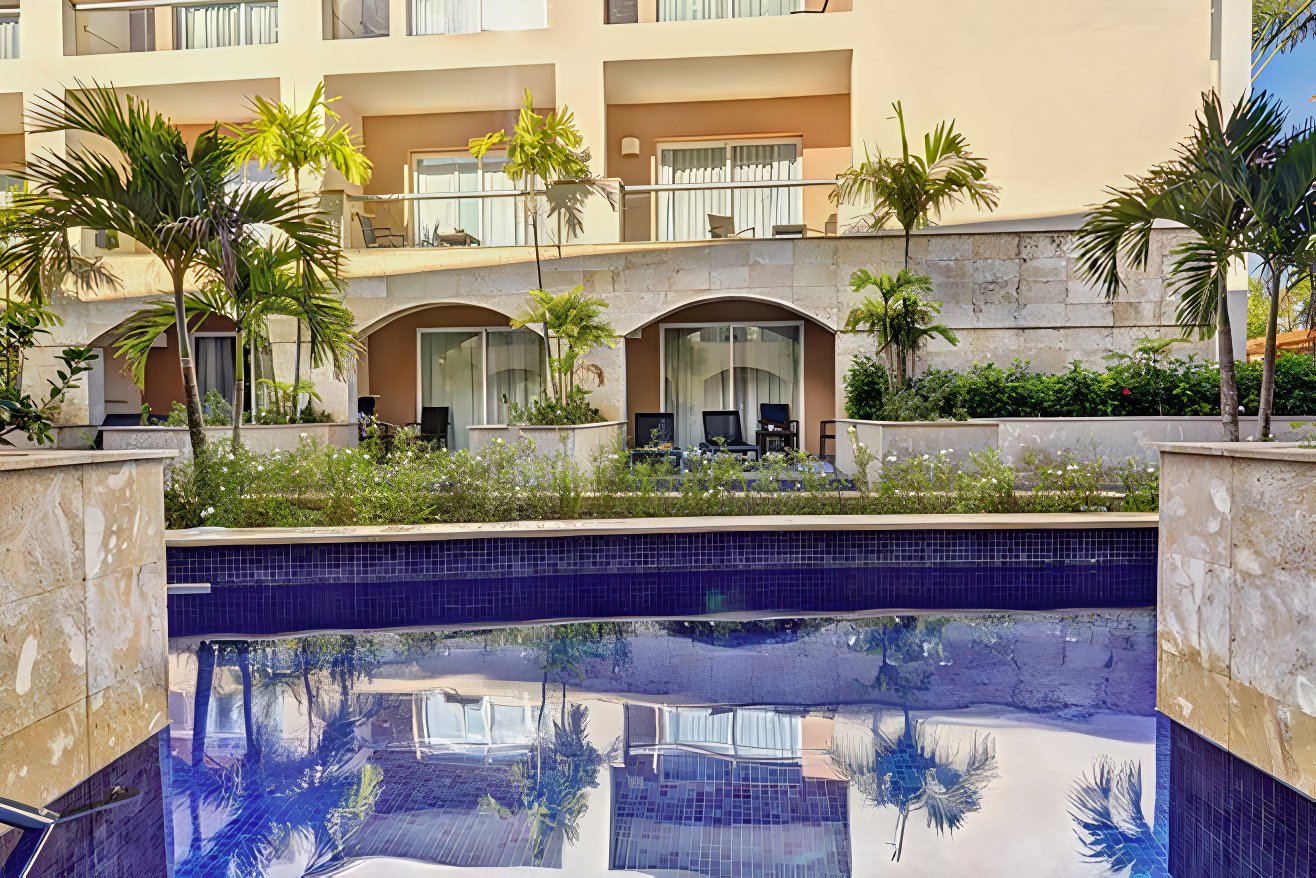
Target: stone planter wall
{"points": [[1114, 439], [580, 443], [1237, 602], [83, 647], [257, 437]]}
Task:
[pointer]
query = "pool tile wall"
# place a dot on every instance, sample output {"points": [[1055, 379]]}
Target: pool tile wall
{"points": [[271, 588], [1228, 818]]}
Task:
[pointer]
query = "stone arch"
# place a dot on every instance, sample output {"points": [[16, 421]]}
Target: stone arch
{"points": [[824, 321]]}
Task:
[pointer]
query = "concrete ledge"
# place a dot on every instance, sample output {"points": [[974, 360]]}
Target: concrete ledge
{"points": [[21, 460], [1289, 451], [612, 527]]}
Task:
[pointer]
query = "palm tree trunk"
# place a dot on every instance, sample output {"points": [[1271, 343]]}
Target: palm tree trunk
{"points": [[191, 395], [248, 720], [907, 233], [901, 822], [1228, 372], [239, 386], [205, 675], [310, 714], [297, 376], [1268, 361]]}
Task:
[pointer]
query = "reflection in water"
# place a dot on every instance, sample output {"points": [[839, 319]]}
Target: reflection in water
{"points": [[730, 749]]}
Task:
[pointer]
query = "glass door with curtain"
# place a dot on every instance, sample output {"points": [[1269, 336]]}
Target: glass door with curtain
{"points": [[491, 221], [729, 366], [8, 36], [700, 214], [501, 223], [262, 23], [216, 25], [215, 363], [452, 375], [695, 10], [445, 17], [515, 370]]}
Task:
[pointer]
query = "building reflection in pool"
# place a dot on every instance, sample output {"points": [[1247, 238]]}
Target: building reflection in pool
{"points": [[723, 749]]}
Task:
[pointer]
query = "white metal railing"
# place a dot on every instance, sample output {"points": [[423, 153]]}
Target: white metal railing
{"points": [[646, 213]]}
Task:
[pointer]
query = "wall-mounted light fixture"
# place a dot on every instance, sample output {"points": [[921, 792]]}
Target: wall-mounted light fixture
{"points": [[630, 147]]}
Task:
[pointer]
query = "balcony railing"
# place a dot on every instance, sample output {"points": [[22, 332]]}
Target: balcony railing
{"points": [[116, 26], [675, 212], [633, 11]]}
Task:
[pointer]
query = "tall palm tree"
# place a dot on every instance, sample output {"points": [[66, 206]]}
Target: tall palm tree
{"points": [[913, 189], [899, 317], [1189, 190], [293, 142], [263, 281], [546, 151], [1278, 26]]}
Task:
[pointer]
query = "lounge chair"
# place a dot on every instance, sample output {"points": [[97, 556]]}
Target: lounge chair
{"points": [[776, 428], [724, 227], [434, 424], [374, 236], [723, 434], [655, 437]]}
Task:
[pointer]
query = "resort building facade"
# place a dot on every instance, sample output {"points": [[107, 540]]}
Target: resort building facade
{"points": [[721, 124]]}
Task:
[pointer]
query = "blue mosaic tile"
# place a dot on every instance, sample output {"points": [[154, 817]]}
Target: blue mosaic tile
{"points": [[1229, 818], [265, 589]]}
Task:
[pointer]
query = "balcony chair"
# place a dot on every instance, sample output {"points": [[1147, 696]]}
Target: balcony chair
{"points": [[723, 435], [374, 236], [655, 437], [720, 227], [776, 430], [434, 424]]}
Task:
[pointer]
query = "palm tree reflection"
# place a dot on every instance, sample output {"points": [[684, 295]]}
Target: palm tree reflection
{"points": [[1106, 806]]}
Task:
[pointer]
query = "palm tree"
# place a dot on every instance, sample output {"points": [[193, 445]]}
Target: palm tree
{"points": [[1188, 189], [573, 326], [546, 151], [899, 318], [293, 142], [914, 772], [1106, 807], [263, 281], [914, 190], [1278, 26], [1278, 186]]}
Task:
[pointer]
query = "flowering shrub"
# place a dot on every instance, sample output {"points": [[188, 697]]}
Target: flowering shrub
{"points": [[413, 483]]}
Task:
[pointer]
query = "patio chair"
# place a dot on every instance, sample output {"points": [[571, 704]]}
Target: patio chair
{"points": [[374, 236], [776, 428], [434, 424], [722, 434], [720, 227], [655, 438]]}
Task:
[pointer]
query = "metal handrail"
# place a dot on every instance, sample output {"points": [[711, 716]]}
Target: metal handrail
{"points": [[625, 189]]}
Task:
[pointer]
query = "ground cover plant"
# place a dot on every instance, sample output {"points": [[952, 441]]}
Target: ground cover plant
{"points": [[413, 483]]}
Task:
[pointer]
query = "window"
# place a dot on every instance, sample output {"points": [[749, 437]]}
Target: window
{"points": [[215, 360], [493, 222], [471, 16], [8, 35], [216, 25], [689, 215], [693, 10], [469, 371], [719, 367]]}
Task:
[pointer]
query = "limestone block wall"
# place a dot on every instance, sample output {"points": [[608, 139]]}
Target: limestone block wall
{"points": [[1237, 601], [83, 646]]}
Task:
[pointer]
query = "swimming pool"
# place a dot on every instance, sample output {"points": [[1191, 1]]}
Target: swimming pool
{"points": [[1008, 744]]}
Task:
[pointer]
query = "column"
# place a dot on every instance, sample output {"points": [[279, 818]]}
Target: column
{"points": [[580, 86]]}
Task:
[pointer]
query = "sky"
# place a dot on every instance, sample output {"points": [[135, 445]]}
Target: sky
{"points": [[1293, 78]]}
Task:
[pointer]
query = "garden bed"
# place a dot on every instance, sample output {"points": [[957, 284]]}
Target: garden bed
{"points": [[259, 438], [580, 443]]}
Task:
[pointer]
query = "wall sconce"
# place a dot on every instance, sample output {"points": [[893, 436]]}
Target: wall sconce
{"points": [[630, 147]]}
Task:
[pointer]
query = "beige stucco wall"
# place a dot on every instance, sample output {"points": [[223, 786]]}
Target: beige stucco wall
{"points": [[83, 649], [1236, 602]]}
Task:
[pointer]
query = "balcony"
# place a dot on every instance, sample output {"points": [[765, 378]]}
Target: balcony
{"points": [[364, 19], [653, 213], [644, 11], [107, 28], [8, 33]]}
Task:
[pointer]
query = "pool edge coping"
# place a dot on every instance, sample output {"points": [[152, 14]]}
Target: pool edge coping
{"points": [[199, 537]]}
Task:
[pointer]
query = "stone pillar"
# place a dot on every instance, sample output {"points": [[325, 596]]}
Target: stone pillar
{"points": [[83, 651], [611, 397], [76, 407]]}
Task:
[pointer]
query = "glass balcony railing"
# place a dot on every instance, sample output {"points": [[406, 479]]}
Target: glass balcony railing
{"points": [[656, 213], [105, 28], [632, 11]]}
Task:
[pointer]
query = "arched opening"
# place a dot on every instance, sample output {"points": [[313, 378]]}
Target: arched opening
{"points": [[732, 354], [464, 359]]}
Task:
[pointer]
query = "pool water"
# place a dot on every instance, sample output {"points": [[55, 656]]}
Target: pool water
{"points": [[1001, 745]]}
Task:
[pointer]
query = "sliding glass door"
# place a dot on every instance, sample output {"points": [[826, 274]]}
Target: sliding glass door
{"points": [[729, 366], [492, 222], [697, 214], [694, 10], [215, 25], [469, 371]]}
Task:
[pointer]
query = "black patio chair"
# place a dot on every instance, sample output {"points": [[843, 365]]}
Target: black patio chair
{"points": [[776, 430], [374, 236], [723, 434], [434, 424], [655, 438]]}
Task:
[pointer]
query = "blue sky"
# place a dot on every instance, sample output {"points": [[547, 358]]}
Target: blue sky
{"points": [[1293, 78]]}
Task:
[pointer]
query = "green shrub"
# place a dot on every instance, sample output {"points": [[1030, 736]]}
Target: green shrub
{"points": [[575, 408]]}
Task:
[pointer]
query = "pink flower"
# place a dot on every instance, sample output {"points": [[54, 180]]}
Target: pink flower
{"points": [[1127, 391]]}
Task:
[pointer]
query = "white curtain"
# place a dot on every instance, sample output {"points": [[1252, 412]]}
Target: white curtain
{"points": [[697, 377], [751, 8], [692, 10], [503, 223], [516, 364], [684, 216], [262, 23], [767, 363], [451, 374], [374, 17], [438, 216], [8, 38], [445, 16], [761, 209], [214, 364], [207, 26]]}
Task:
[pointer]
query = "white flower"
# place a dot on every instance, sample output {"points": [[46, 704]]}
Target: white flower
{"points": [[303, 435], [943, 451], [260, 467], [1250, 439], [993, 480], [925, 457], [891, 458], [207, 512], [1151, 469], [862, 445]]}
